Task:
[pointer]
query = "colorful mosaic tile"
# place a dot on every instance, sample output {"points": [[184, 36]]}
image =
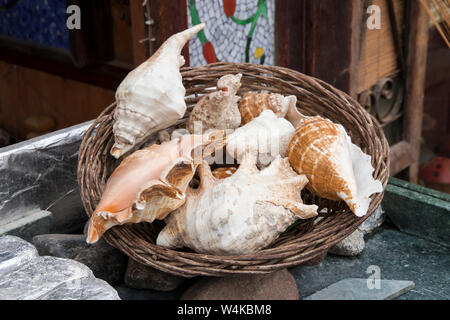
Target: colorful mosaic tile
{"points": [[39, 21], [236, 31]]}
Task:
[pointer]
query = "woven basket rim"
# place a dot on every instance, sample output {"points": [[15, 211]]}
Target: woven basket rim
{"points": [[298, 248]]}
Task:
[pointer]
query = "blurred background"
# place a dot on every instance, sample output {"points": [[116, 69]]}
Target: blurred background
{"points": [[61, 61]]}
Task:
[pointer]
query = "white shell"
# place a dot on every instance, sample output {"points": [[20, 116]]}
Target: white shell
{"points": [[151, 97], [268, 133], [240, 214]]}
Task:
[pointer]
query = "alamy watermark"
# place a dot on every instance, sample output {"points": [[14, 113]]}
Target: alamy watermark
{"points": [[374, 280], [374, 20], [74, 19]]}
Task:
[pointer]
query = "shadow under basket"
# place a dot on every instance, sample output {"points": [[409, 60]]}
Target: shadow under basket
{"points": [[304, 243]]}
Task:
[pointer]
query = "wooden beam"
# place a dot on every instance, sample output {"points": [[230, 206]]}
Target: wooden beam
{"points": [[290, 34], [169, 17], [415, 82], [400, 157], [138, 32]]}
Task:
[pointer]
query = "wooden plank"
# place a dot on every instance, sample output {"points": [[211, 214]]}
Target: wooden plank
{"points": [[400, 157], [93, 42], [138, 32], [290, 34], [320, 38], [334, 44], [169, 18], [415, 81]]}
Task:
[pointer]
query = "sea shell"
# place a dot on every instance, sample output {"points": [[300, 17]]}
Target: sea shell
{"points": [[336, 168], [150, 183], [268, 133], [218, 109], [151, 97], [240, 214], [253, 103], [223, 172]]}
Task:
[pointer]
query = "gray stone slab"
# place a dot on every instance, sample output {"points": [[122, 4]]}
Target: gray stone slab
{"points": [[398, 255], [359, 289], [418, 210], [27, 276], [26, 223]]}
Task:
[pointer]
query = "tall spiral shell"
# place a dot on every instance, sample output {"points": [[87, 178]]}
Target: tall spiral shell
{"points": [[253, 103], [151, 97], [336, 168]]}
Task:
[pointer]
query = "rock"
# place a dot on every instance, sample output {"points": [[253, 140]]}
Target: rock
{"points": [[374, 221], [105, 261], [126, 293], [361, 289], [351, 246], [60, 245], [24, 275], [279, 285], [417, 210], [139, 276], [26, 223]]}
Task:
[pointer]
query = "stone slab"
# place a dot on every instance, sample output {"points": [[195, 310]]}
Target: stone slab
{"points": [[27, 223], [398, 256], [24, 275], [359, 289], [418, 210]]}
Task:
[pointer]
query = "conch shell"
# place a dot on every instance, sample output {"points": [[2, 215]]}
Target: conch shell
{"points": [[218, 109], [150, 183], [336, 168], [253, 103], [223, 172], [240, 214], [151, 97], [268, 133]]}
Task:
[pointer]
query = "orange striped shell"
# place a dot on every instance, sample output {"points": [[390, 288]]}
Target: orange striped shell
{"points": [[253, 103], [336, 168]]}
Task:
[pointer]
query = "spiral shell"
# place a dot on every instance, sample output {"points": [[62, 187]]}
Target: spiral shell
{"points": [[253, 103], [150, 183], [151, 97], [240, 214], [336, 168]]}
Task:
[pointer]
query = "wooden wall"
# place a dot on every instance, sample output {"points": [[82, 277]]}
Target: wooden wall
{"points": [[26, 92]]}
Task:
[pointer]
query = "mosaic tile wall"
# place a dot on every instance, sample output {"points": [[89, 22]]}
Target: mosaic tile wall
{"points": [[39, 21], [236, 31]]}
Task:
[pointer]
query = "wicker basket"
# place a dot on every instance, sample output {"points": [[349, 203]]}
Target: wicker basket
{"points": [[305, 243]]}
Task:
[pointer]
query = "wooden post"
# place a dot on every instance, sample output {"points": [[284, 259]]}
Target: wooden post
{"points": [[138, 32], [415, 83], [169, 17]]}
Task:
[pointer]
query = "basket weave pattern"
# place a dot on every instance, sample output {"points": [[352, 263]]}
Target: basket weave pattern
{"points": [[308, 240]]}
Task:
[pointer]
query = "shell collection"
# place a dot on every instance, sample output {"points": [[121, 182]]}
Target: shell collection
{"points": [[240, 214], [234, 210]]}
